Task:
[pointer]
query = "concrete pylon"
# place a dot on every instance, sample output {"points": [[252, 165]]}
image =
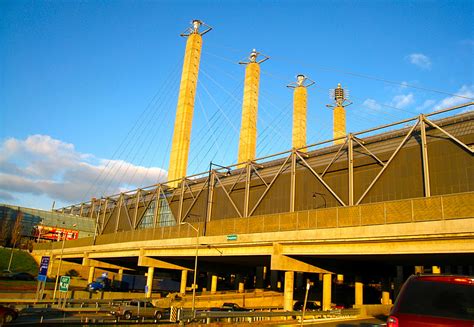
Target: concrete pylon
{"points": [[340, 97], [184, 279], [185, 108], [326, 305], [288, 291], [149, 281], [90, 277], [300, 104], [248, 128]]}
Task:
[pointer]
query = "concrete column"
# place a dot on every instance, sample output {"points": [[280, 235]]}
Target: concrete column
{"points": [[385, 291], [214, 284], [90, 278], [436, 270], [259, 277], [359, 292], [149, 281], [119, 278], [241, 287], [274, 280], [300, 280], [327, 291], [419, 269], [208, 280], [288, 292], [184, 279], [398, 280]]}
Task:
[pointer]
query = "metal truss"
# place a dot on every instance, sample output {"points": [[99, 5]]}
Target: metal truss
{"points": [[129, 208]]}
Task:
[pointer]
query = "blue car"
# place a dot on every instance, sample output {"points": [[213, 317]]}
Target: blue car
{"points": [[101, 284]]}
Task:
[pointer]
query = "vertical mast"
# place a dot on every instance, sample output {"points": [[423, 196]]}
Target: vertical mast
{"points": [[185, 108], [341, 101], [300, 100], [248, 129]]}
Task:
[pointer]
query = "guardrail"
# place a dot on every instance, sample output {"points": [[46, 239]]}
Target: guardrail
{"points": [[254, 316]]}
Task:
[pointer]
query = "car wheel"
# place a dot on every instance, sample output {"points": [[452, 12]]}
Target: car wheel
{"points": [[127, 315], [8, 318], [158, 315]]}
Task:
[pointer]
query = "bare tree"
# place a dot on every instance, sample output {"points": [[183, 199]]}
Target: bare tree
{"points": [[16, 231], [16, 235], [5, 231]]}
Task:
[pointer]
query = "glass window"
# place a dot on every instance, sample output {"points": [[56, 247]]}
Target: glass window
{"points": [[438, 299]]}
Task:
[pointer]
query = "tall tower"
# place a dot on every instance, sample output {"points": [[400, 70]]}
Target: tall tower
{"points": [[185, 108], [300, 100], [341, 101], [248, 128]]}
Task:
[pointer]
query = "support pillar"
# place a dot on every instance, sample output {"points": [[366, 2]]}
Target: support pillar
{"points": [[326, 292], [248, 128], [385, 292], [359, 292], [398, 281], [300, 100], [436, 270], [339, 114], [419, 269], [300, 280], [241, 287], [120, 277], [185, 107], [274, 280], [288, 291], [214, 284], [149, 281], [184, 279], [259, 274], [90, 278]]}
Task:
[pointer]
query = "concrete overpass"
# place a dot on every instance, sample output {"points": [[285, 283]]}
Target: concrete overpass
{"points": [[365, 241]]}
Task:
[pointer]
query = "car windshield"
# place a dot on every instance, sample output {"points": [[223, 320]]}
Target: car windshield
{"points": [[438, 299]]}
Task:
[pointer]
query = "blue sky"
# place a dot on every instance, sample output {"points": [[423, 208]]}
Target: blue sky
{"points": [[88, 88]]}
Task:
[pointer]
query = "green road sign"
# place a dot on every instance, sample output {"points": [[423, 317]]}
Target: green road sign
{"points": [[232, 237], [64, 282]]}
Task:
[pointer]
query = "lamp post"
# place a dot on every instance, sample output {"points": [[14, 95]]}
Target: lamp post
{"points": [[195, 265], [64, 235]]}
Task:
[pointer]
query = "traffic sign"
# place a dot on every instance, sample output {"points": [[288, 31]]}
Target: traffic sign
{"points": [[64, 282], [232, 237], [43, 268]]}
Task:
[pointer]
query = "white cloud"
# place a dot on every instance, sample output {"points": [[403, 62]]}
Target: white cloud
{"points": [[466, 91], [42, 165], [419, 60], [371, 104], [402, 100], [425, 105]]}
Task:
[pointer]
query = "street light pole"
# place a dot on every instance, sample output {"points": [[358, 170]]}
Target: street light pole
{"points": [[64, 234], [195, 266]]}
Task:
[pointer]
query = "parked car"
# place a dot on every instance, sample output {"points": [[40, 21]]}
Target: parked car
{"points": [[310, 306], [16, 276], [23, 276], [434, 300], [7, 314], [229, 306], [101, 284], [137, 309]]}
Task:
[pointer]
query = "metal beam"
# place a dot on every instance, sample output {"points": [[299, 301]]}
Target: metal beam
{"points": [[388, 162], [424, 152]]}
